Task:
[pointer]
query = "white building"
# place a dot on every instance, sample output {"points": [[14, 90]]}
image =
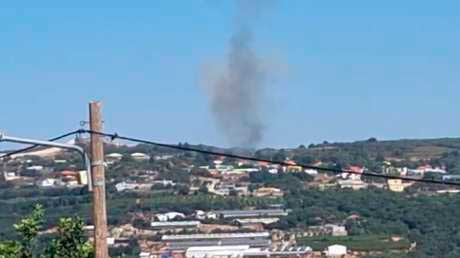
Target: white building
{"points": [[201, 215], [421, 170], [337, 230], [144, 255], [211, 215], [113, 157], [72, 183], [110, 241], [49, 182], [353, 173], [163, 157], [216, 251], [123, 186], [245, 251], [174, 224], [336, 251], [164, 182], [353, 184], [36, 168], [252, 221], [7, 176], [436, 170], [140, 156], [311, 172], [273, 170], [218, 162], [169, 216], [224, 167]]}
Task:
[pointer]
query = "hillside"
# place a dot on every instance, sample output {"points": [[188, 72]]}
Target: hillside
{"points": [[370, 153], [416, 149]]}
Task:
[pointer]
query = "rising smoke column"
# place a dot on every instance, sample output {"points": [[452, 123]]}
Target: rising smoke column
{"points": [[237, 91]]}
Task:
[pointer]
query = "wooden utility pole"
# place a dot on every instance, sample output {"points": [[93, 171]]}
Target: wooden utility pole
{"points": [[98, 179]]}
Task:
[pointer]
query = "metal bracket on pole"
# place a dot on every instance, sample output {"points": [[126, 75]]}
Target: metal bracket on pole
{"points": [[98, 182], [4, 138]]}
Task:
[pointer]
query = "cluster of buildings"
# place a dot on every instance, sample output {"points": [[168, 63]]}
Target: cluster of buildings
{"points": [[224, 233], [114, 157], [232, 179], [353, 177], [324, 230], [230, 233], [233, 233], [136, 186], [66, 178], [23, 171], [398, 185]]}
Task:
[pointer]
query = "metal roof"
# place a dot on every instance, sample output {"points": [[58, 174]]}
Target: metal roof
{"points": [[215, 236], [252, 213], [175, 224], [264, 243], [246, 251]]}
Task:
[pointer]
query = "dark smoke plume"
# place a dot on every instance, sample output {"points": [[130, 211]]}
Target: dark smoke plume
{"points": [[237, 91]]}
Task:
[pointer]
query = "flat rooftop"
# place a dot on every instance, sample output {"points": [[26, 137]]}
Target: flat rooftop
{"points": [[184, 245], [159, 224], [252, 213], [215, 236]]}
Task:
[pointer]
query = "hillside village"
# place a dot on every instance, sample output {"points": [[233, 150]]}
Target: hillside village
{"points": [[181, 204]]}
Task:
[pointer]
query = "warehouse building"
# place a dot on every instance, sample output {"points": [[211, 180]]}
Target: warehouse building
{"points": [[245, 251], [234, 214], [159, 225], [183, 242]]}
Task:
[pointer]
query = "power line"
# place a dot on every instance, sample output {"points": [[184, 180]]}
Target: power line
{"points": [[9, 154], [241, 157], [282, 163]]}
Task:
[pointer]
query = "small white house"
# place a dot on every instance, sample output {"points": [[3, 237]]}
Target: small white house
{"points": [[169, 216], [216, 251], [163, 157], [10, 176], [218, 162], [336, 251], [211, 215], [48, 182], [273, 170], [114, 155], [113, 158], [110, 241], [144, 255], [311, 172], [36, 168], [124, 186], [164, 182], [201, 215], [140, 156]]}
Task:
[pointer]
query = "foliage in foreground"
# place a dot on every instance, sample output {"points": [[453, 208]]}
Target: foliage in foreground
{"points": [[68, 243]]}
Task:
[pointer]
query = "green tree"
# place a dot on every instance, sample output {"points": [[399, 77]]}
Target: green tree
{"points": [[71, 242], [9, 250], [28, 229]]}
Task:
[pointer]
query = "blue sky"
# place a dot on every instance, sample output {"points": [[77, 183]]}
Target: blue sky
{"points": [[349, 70]]}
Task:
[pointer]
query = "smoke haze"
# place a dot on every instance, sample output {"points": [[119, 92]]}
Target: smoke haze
{"points": [[237, 91]]}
